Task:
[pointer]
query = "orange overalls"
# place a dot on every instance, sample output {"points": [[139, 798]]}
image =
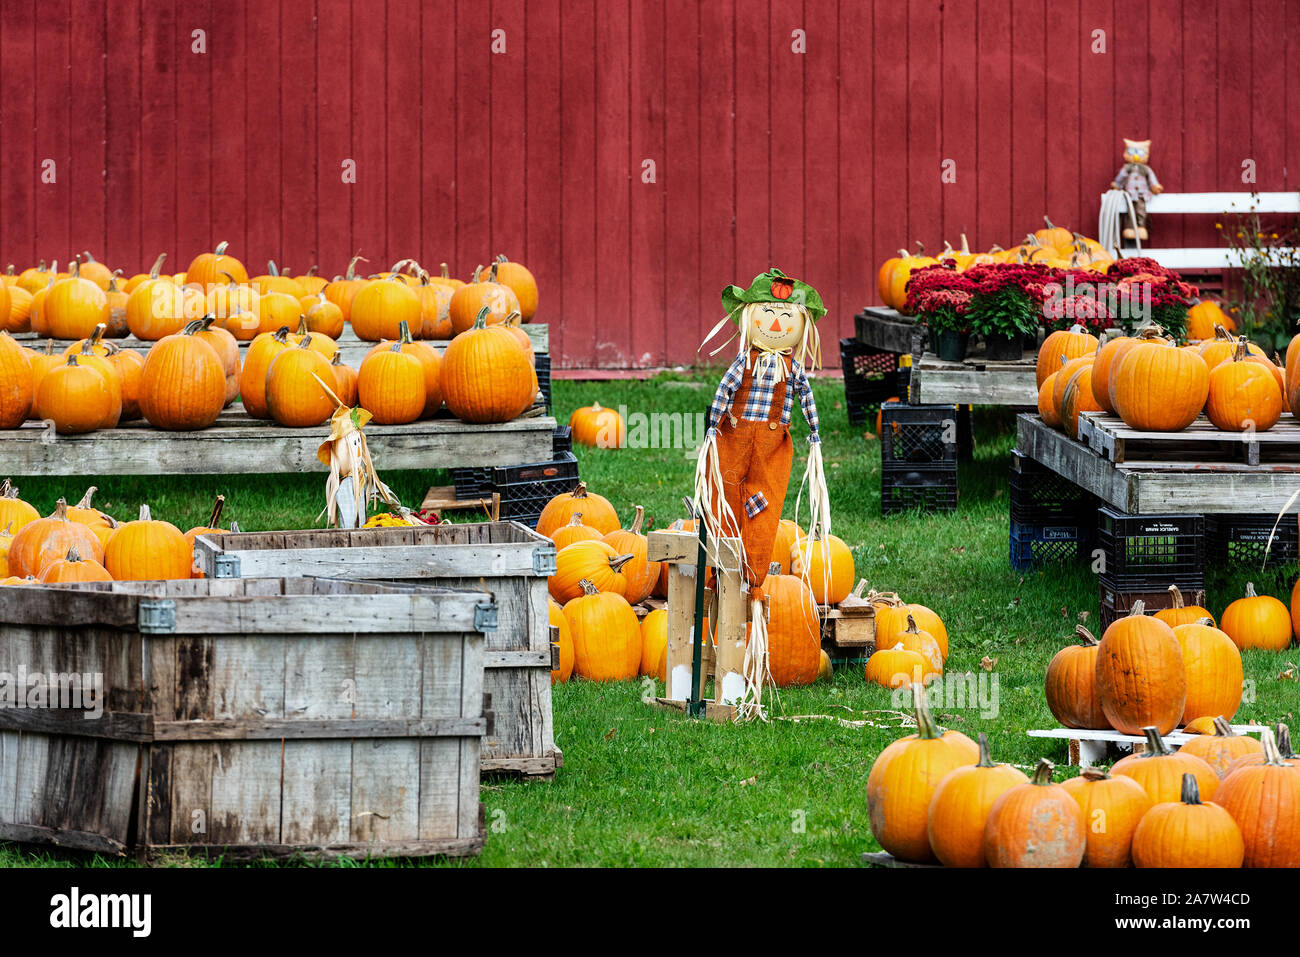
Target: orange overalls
{"points": [[755, 458]]}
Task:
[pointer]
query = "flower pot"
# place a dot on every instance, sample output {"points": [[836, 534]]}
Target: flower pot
{"points": [[950, 346], [1004, 348]]}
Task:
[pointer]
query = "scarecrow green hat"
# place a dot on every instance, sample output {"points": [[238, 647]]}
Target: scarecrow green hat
{"points": [[774, 286]]}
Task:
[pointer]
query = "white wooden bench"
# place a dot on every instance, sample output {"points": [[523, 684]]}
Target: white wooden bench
{"points": [[1211, 257], [1088, 747]]}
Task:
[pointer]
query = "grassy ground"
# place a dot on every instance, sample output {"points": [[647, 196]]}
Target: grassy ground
{"points": [[643, 787]]}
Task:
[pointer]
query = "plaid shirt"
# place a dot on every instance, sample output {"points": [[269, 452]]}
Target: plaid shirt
{"points": [[761, 393]]}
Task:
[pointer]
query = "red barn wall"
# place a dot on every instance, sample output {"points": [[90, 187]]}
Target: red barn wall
{"points": [[820, 162]]}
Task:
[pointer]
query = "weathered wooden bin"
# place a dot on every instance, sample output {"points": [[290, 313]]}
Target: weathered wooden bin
{"points": [[505, 558], [249, 718]]}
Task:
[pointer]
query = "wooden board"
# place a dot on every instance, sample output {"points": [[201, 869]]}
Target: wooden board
{"points": [[883, 328], [239, 444], [1151, 487], [247, 720], [885, 859], [1089, 746], [1113, 440], [974, 382]]}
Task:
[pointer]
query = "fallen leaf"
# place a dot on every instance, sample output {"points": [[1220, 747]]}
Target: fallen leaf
{"points": [[1083, 617], [1065, 612], [611, 734], [987, 663], [1288, 675], [749, 781]]}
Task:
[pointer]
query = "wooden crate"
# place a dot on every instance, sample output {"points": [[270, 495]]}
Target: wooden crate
{"points": [[248, 718], [505, 558]]}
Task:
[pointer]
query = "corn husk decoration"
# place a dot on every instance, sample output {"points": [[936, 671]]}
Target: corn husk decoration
{"points": [[353, 484]]}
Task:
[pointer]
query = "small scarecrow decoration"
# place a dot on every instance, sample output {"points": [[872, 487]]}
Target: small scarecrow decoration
{"points": [[744, 464], [353, 482], [1138, 180]]}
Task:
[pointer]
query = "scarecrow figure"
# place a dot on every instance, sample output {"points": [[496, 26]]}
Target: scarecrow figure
{"points": [[353, 482], [1138, 180], [744, 464]]}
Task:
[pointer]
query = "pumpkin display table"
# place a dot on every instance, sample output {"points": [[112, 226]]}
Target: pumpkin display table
{"points": [[974, 381], [1194, 472], [881, 327], [1090, 746], [239, 443]]}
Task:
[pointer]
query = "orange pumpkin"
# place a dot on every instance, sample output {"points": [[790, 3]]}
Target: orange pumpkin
{"points": [[183, 382], [1071, 684], [1180, 613], [47, 540], [1160, 771], [575, 531], [1065, 344], [1257, 621], [73, 568], [1187, 832], [960, 808], [903, 780], [654, 644], [14, 512], [1243, 396], [1046, 405], [75, 306], [209, 269], [148, 550], [640, 573], [1112, 809], [226, 347], [827, 565], [1221, 749], [787, 534], [520, 281], [1140, 678], [16, 389], [1212, 665], [470, 301], [793, 630], [85, 513], [1264, 801], [595, 510], [430, 364], [599, 427], [252, 378], [77, 397], [592, 561], [345, 378], [391, 386], [485, 376], [296, 383], [343, 288], [379, 309], [606, 634], [1035, 824], [895, 667], [564, 639]]}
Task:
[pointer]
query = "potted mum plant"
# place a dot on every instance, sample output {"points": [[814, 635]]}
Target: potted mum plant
{"points": [[1005, 306], [938, 296]]}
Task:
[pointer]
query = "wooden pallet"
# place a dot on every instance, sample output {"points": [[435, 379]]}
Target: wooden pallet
{"points": [[883, 328], [239, 443], [848, 632], [1089, 746], [1109, 437], [1177, 486]]}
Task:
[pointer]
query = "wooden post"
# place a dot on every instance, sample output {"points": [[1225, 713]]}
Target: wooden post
{"points": [[729, 677], [679, 550]]}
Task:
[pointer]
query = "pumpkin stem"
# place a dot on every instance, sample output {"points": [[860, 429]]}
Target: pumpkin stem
{"points": [[157, 266], [577, 519], [445, 273], [270, 268], [580, 491], [311, 271], [352, 266], [1207, 622], [302, 325], [1191, 793], [1087, 637], [1239, 353], [404, 333], [637, 520], [1176, 596], [281, 335], [73, 555], [911, 628], [216, 511], [860, 588], [618, 561], [1222, 729], [60, 510], [1272, 754], [112, 280], [774, 568], [481, 321], [1043, 772], [88, 347], [338, 359], [1139, 608], [145, 515], [85, 499], [72, 360], [588, 588], [7, 530], [1284, 740], [477, 269], [1095, 774], [1156, 746], [926, 728], [1250, 590], [8, 489], [221, 247], [986, 760], [193, 326]]}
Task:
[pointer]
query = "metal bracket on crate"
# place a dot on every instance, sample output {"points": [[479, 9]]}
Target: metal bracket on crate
{"points": [[544, 560], [485, 616], [226, 566], [157, 616]]}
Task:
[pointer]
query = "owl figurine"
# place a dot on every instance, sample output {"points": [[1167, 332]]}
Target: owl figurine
{"points": [[1138, 180]]}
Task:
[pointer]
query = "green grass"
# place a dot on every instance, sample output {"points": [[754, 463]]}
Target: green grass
{"points": [[641, 786]]}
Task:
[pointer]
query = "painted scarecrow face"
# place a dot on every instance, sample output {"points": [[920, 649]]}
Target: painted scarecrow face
{"points": [[775, 325]]}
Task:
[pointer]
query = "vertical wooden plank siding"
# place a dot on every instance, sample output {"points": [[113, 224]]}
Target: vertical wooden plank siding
{"points": [[822, 162]]}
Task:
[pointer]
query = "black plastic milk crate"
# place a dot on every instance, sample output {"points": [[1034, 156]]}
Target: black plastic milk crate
{"points": [[870, 377], [1118, 600], [562, 439], [472, 483], [525, 489], [542, 363], [1039, 496], [930, 488], [1243, 539], [918, 434], [1032, 546], [1151, 551]]}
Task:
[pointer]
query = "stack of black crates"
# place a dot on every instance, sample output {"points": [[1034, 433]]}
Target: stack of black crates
{"points": [[524, 489], [918, 457], [1142, 555], [1052, 519], [871, 377]]}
